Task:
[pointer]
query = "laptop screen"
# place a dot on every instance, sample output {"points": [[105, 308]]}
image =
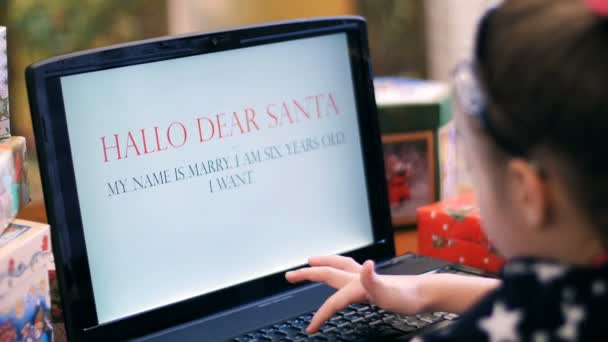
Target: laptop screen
{"points": [[198, 173]]}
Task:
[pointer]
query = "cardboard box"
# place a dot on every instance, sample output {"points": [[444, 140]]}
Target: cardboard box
{"points": [[411, 112], [14, 189], [25, 257], [451, 230], [4, 110]]}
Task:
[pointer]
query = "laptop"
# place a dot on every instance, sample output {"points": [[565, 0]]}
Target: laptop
{"points": [[183, 176]]}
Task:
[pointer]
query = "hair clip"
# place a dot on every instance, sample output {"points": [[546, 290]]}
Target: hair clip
{"points": [[598, 7]]}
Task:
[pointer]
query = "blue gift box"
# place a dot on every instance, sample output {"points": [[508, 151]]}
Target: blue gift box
{"points": [[25, 258]]}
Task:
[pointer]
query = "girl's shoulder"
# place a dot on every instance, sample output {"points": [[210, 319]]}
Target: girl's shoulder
{"points": [[550, 280], [539, 300]]}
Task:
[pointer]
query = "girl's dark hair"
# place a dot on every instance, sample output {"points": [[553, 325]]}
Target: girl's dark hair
{"points": [[544, 67]]}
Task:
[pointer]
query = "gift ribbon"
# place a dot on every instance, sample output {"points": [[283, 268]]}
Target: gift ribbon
{"points": [[598, 7], [600, 259]]}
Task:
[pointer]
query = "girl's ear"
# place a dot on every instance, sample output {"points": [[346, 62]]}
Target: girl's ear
{"points": [[528, 193]]}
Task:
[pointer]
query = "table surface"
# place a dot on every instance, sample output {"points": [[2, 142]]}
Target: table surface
{"points": [[59, 333], [406, 241]]}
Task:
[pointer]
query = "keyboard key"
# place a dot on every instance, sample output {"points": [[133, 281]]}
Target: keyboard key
{"points": [[357, 319], [341, 323], [360, 328], [416, 323], [451, 317], [281, 325], [306, 317], [358, 322], [335, 318], [261, 339], [348, 337], [300, 324], [300, 336], [389, 317], [376, 322], [353, 316], [349, 312], [401, 326], [291, 330], [333, 336], [363, 308], [327, 328], [317, 337], [254, 335], [429, 318], [277, 334], [370, 315], [385, 332], [351, 330]]}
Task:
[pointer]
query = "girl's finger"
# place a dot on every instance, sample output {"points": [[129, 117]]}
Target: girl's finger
{"points": [[336, 261], [333, 277], [370, 281], [336, 302]]}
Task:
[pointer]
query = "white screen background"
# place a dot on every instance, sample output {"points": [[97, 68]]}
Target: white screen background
{"points": [[153, 247]]}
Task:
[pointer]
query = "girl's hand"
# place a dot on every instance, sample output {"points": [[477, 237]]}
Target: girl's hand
{"points": [[355, 284]]}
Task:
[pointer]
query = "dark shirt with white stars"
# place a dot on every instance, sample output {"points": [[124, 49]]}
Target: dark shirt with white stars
{"points": [[538, 301]]}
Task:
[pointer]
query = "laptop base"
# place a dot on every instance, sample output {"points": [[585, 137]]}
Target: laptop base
{"points": [[258, 321]]}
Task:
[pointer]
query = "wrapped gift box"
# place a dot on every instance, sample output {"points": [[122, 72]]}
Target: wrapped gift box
{"points": [[4, 113], [411, 113], [56, 308], [25, 258], [451, 230], [14, 191]]}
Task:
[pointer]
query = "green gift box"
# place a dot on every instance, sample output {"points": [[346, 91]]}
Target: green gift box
{"points": [[415, 120]]}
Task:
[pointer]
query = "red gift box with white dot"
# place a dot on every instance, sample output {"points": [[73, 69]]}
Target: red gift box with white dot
{"points": [[451, 230]]}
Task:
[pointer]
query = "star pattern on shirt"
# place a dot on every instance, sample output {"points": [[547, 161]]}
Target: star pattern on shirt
{"points": [[501, 325], [568, 294], [515, 268], [573, 316], [546, 272], [540, 300], [598, 288], [540, 336]]}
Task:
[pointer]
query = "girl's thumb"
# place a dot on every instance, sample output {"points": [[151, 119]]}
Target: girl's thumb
{"points": [[370, 281]]}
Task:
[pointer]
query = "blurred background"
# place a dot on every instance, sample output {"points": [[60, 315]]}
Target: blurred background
{"points": [[413, 38]]}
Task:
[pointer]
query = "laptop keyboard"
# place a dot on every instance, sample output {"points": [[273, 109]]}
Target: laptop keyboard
{"points": [[358, 322]]}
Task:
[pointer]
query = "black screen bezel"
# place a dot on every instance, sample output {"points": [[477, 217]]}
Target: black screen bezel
{"points": [[59, 184]]}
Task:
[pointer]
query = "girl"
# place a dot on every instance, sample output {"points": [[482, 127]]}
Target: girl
{"points": [[534, 119]]}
